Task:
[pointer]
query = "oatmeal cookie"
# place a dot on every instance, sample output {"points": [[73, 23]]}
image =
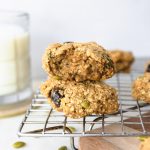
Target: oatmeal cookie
{"points": [[122, 60], [79, 99], [78, 61], [141, 88]]}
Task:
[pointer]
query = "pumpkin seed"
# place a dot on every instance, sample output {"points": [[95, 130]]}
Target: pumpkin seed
{"points": [[49, 56], [63, 148], [73, 129], [85, 104], [142, 138], [19, 144], [57, 78]]}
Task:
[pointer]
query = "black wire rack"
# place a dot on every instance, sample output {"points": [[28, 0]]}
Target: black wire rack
{"points": [[42, 121]]}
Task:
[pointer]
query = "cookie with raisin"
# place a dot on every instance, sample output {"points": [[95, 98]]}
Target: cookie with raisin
{"points": [[79, 99]]}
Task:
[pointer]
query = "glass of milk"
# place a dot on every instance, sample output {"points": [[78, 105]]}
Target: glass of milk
{"points": [[15, 76]]}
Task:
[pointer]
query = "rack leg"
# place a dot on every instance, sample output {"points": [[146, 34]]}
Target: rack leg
{"points": [[72, 144]]}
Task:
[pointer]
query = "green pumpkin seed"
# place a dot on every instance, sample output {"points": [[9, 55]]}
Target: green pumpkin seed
{"points": [[63, 148], [142, 138], [85, 104], [57, 78], [19, 144], [49, 56], [73, 129]]}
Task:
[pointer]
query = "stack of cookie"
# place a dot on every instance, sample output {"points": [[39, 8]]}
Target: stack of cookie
{"points": [[75, 74]]}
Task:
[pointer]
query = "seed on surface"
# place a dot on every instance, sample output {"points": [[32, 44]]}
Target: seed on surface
{"points": [[63, 148], [19, 144]]}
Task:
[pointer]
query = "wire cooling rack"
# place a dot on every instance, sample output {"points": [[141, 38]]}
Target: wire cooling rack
{"points": [[42, 121]]}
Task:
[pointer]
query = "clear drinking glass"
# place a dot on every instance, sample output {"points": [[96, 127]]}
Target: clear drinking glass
{"points": [[15, 75]]}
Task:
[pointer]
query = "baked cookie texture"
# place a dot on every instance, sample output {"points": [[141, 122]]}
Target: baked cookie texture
{"points": [[78, 61], [141, 88], [79, 99], [122, 60]]}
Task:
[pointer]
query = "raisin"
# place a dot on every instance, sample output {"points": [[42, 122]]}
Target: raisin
{"points": [[148, 68], [56, 95], [68, 42]]}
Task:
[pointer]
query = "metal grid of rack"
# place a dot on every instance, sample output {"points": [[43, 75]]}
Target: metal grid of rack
{"points": [[42, 121]]}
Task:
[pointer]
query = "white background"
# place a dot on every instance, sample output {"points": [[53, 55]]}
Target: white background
{"points": [[121, 24]]}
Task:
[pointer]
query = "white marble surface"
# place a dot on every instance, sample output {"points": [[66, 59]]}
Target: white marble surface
{"points": [[8, 135]]}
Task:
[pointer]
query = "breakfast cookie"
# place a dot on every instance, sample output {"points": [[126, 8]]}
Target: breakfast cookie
{"points": [[79, 99], [122, 60], [78, 61], [141, 88]]}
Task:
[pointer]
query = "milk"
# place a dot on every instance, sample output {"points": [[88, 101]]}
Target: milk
{"points": [[14, 59]]}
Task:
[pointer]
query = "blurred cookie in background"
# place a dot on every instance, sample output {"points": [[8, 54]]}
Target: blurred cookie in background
{"points": [[122, 60]]}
